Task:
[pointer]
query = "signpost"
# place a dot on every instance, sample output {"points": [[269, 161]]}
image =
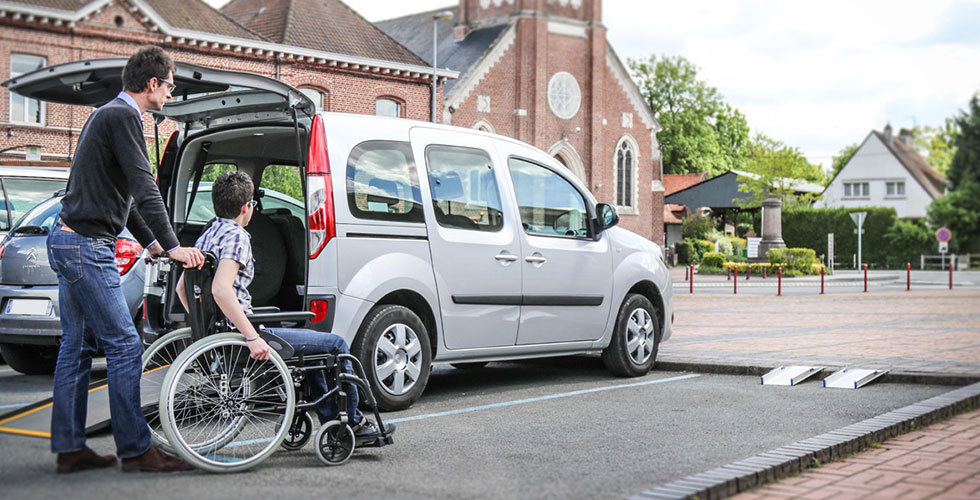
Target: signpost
{"points": [[830, 252], [858, 218], [943, 236]]}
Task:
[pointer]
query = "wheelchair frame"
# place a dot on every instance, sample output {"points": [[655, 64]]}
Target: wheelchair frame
{"points": [[194, 397]]}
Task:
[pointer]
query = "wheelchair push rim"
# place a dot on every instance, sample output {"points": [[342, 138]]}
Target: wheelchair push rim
{"points": [[223, 411]]}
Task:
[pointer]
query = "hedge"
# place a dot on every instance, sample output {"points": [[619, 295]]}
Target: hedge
{"points": [[808, 228], [713, 259], [799, 260]]}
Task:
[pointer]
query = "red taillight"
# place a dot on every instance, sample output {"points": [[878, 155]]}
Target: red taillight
{"points": [[127, 253], [319, 192], [319, 309]]}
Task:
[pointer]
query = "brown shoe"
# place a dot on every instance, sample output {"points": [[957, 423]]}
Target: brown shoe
{"points": [[153, 460], [83, 459]]}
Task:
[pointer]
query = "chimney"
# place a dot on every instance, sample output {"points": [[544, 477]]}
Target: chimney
{"points": [[906, 136], [888, 133]]}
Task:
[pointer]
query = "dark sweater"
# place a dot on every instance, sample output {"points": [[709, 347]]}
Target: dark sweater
{"points": [[111, 184]]}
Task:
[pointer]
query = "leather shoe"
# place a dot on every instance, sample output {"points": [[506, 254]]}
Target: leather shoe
{"points": [[153, 460], [83, 459]]}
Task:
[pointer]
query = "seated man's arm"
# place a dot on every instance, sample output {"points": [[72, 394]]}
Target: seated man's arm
{"points": [[223, 290], [182, 294]]}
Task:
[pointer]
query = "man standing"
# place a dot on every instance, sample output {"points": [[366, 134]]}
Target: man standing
{"points": [[110, 185]]}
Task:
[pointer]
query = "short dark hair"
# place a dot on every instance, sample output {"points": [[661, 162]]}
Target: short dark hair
{"points": [[229, 192], [148, 62]]}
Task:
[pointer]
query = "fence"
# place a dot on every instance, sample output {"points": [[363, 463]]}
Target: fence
{"points": [[962, 261]]}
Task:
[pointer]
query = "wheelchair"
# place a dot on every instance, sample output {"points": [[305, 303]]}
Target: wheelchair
{"points": [[223, 411]]}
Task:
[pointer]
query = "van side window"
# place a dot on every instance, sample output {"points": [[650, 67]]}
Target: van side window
{"points": [[549, 204], [382, 183], [464, 189], [283, 190]]}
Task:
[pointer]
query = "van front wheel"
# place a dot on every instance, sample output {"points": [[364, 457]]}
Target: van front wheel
{"points": [[635, 340], [393, 345]]}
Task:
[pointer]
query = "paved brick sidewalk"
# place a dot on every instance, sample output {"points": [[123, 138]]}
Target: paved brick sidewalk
{"points": [[928, 331], [939, 461]]}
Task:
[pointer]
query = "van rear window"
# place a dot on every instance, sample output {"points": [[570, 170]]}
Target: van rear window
{"points": [[382, 183]]}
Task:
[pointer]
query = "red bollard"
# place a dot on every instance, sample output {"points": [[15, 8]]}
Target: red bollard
{"points": [[908, 276], [865, 277], [779, 289], [950, 275], [692, 278], [735, 283], [821, 279]]}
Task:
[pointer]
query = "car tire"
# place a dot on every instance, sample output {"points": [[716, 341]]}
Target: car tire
{"points": [[30, 359], [635, 339], [393, 346], [469, 366]]}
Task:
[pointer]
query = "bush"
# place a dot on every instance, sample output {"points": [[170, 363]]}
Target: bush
{"points": [[702, 247], [697, 226], [794, 260], [702, 269], [743, 267], [907, 240], [743, 228], [684, 250], [808, 228], [713, 259], [725, 246], [738, 244]]}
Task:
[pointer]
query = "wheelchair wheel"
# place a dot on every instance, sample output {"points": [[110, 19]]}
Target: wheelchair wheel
{"points": [[223, 411], [299, 432], [334, 443], [156, 360]]}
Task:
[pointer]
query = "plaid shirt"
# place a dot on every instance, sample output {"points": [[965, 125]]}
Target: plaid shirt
{"points": [[228, 240]]}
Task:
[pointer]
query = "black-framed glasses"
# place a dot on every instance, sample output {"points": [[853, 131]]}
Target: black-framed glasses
{"points": [[252, 203], [171, 86]]}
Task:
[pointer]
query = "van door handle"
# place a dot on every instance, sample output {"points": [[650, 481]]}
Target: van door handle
{"points": [[535, 259], [506, 257]]}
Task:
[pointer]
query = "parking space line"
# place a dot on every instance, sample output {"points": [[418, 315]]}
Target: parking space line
{"points": [[539, 398], [17, 405]]}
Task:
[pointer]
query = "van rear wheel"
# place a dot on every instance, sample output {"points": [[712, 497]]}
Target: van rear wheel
{"points": [[30, 359], [393, 345]]}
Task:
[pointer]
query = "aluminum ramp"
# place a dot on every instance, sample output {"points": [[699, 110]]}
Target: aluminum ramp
{"points": [[852, 378], [35, 420], [790, 375]]}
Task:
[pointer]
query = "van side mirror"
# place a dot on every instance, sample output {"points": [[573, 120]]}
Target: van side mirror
{"points": [[606, 217]]}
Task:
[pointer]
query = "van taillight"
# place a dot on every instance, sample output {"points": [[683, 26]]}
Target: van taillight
{"points": [[319, 192], [127, 253], [319, 309]]}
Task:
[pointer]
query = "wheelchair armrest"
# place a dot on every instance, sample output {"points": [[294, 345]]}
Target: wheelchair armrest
{"points": [[277, 317], [265, 309]]}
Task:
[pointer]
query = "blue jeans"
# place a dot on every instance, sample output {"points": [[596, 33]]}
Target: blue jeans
{"points": [[314, 342], [92, 308]]}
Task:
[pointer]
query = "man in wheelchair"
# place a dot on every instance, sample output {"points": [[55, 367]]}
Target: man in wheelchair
{"points": [[226, 238]]}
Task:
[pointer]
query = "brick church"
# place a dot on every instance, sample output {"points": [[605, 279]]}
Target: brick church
{"points": [[541, 71]]}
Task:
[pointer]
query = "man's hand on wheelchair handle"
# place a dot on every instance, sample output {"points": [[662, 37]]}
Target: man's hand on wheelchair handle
{"points": [[259, 348], [190, 256]]}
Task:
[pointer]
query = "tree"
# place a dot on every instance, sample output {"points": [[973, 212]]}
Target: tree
{"points": [[965, 165], [841, 159], [701, 133], [778, 169], [959, 209], [936, 144]]}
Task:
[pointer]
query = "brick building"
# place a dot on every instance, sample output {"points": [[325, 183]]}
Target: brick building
{"points": [[357, 68], [543, 72]]}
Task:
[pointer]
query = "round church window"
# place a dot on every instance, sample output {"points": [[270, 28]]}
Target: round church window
{"points": [[564, 95]]}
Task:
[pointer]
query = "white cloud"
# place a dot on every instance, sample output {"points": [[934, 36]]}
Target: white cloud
{"points": [[817, 75]]}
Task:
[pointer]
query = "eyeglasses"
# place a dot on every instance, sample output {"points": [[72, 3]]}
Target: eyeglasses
{"points": [[252, 203], [171, 86]]}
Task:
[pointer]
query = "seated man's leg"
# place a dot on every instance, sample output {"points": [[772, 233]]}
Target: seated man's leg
{"points": [[314, 342]]}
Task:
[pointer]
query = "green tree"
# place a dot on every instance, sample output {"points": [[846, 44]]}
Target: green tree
{"points": [[701, 132], [936, 144], [841, 159], [778, 169], [959, 209], [907, 240], [965, 165]]}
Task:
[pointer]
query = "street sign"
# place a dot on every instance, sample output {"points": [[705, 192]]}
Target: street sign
{"points": [[830, 251], [752, 245], [858, 218], [33, 153], [943, 247], [943, 235]]}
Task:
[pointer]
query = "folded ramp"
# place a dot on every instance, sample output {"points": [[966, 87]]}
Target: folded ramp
{"points": [[852, 378], [34, 420], [790, 375]]}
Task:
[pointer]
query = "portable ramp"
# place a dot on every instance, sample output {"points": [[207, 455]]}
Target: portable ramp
{"points": [[852, 378], [790, 375]]}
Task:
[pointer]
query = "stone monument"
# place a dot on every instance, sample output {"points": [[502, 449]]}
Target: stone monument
{"points": [[772, 225]]}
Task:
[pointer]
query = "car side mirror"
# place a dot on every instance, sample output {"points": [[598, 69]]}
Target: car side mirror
{"points": [[606, 217]]}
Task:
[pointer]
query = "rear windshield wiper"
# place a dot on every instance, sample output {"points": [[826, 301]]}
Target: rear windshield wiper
{"points": [[31, 230]]}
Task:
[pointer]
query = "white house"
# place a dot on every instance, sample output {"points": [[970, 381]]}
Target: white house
{"points": [[886, 171]]}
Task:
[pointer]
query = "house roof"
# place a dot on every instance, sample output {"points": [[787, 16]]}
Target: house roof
{"points": [[194, 15], [669, 216], [676, 182], [327, 25], [415, 32], [930, 180], [66, 5]]}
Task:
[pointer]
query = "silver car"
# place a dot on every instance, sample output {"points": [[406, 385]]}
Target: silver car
{"points": [[30, 329], [420, 243]]}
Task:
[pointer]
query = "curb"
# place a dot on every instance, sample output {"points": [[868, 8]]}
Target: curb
{"points": [[899, 377], [792, 459]]}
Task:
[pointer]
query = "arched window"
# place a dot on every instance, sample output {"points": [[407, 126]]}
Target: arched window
{"points": [[315, 95], [625, 159], [484, 126], [387, 107]]}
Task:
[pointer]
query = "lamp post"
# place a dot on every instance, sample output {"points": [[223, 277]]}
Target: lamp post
{"points": [[445, 15]]}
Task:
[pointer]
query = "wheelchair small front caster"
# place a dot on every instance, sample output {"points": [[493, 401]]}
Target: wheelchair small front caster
{"points": [[334, 442], [299, 432]]}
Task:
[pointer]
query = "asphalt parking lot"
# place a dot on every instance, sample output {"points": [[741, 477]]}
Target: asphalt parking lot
{"points": [[556, 428]]}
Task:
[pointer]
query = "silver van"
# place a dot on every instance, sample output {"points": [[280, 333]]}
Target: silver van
{"points": [[421, 243]]}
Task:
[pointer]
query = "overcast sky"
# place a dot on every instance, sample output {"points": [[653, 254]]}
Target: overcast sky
{"points": [[816, 75]]}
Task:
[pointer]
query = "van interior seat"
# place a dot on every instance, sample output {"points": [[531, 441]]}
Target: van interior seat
{"points": [[269, 252], [293, 231]]}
